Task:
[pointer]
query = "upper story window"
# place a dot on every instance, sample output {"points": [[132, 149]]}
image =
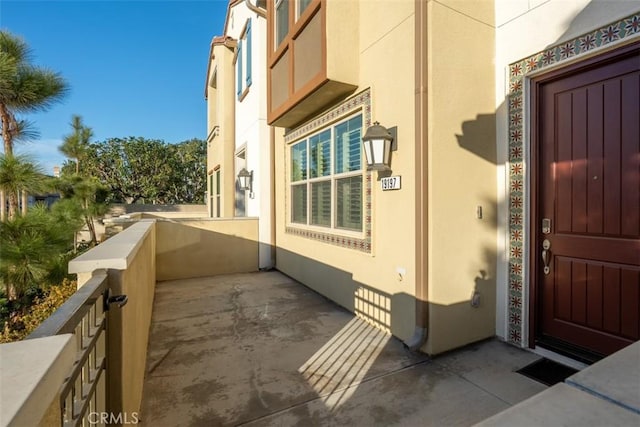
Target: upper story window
{"points": [[282, 20], [327, 178], [243, 61], [301, 7]]}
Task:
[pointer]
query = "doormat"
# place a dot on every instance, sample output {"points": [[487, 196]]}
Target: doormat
{"points": [[547, 371]]}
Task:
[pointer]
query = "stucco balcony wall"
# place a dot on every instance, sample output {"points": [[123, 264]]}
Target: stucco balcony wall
{"points": [[189, 248], [146, 251], [129, 259]]}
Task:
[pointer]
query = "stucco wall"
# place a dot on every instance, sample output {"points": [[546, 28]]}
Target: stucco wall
{"points": [[130, 262], [462, 173], [220, 150], [120, 209], [250, 130], [368, 283], [198, 248], [129, 327], [343, 44]]}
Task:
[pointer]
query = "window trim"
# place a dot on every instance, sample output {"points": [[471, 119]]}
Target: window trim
{"points": [[239, 70], [332, 177], [218, 192], [243, 61], [277, 3], [361, 242]]}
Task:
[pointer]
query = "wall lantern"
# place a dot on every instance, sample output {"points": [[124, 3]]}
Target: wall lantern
{"points": [[245, 178], [378, 142]]}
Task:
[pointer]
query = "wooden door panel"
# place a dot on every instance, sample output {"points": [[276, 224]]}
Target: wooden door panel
{"points": [[599, 295], [630, 155], [590, 300], [611, 159], [588, 145], [611, 299], [595, 166], [630, 298]]}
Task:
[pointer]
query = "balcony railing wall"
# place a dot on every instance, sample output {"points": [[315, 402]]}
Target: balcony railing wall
{"points": [[149, 249]]}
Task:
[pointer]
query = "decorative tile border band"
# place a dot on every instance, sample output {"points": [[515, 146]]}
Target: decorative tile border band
{"points": [[360, 101], [607, 35]]}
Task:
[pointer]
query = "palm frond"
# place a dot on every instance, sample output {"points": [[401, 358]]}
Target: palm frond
{"points": [[25, 131], [36, 89], [14, 47], [8, 70]]}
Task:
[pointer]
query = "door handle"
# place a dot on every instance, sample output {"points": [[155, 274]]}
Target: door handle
{"points": [[546, 245]]}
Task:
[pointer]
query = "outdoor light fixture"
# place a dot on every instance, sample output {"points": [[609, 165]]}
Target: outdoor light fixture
{"points": [[245, 179], [378, 142]]}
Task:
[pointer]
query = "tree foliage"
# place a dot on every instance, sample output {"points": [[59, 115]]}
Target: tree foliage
{"points": [[82, 192], [140, 170], [85, 197], [31, 245], [24, 88], [188, 183], [21, 325], [18, 173], [75, 144]]}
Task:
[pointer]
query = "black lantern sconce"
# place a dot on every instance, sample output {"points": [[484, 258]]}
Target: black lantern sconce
{"points": [[378, 142], [245, 179]]}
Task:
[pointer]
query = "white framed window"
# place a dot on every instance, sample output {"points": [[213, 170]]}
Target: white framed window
{"points": [[281, 15], [327, 178]]}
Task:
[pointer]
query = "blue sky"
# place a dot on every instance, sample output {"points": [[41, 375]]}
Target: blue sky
{"points": [[135, 68]]}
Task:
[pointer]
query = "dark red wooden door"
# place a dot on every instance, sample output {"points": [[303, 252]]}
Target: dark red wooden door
{"points": [[588, 188]]}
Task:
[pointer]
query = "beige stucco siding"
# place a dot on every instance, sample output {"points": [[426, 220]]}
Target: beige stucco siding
{"points": [[368, 283], [199, 248], [462, 173], [220, 149], [342, 38]]}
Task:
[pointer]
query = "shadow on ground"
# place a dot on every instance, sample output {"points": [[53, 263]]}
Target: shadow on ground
{"points": [[261, 349]]}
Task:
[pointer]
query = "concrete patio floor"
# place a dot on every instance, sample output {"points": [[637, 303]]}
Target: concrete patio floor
{"points": [[261, 349]]}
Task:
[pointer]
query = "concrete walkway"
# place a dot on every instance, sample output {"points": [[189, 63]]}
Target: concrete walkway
{"points": [[262, 350], [606, 393]]}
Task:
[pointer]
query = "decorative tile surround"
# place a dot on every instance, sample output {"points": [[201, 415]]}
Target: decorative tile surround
{"points": [[360, 102], [607, 35]]}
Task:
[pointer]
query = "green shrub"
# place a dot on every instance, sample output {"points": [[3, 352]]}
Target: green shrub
{"points": [[18, 326]]}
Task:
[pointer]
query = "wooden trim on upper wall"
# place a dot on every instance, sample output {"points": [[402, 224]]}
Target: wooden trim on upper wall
{"points": [[315, 82], [275, 53]]}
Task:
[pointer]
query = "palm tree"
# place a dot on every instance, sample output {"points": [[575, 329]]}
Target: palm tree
{"points": [[24, 88], [75, 145], [18, 174]]}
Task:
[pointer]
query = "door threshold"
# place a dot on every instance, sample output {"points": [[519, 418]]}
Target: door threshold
{"points": [[559, 358]]}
